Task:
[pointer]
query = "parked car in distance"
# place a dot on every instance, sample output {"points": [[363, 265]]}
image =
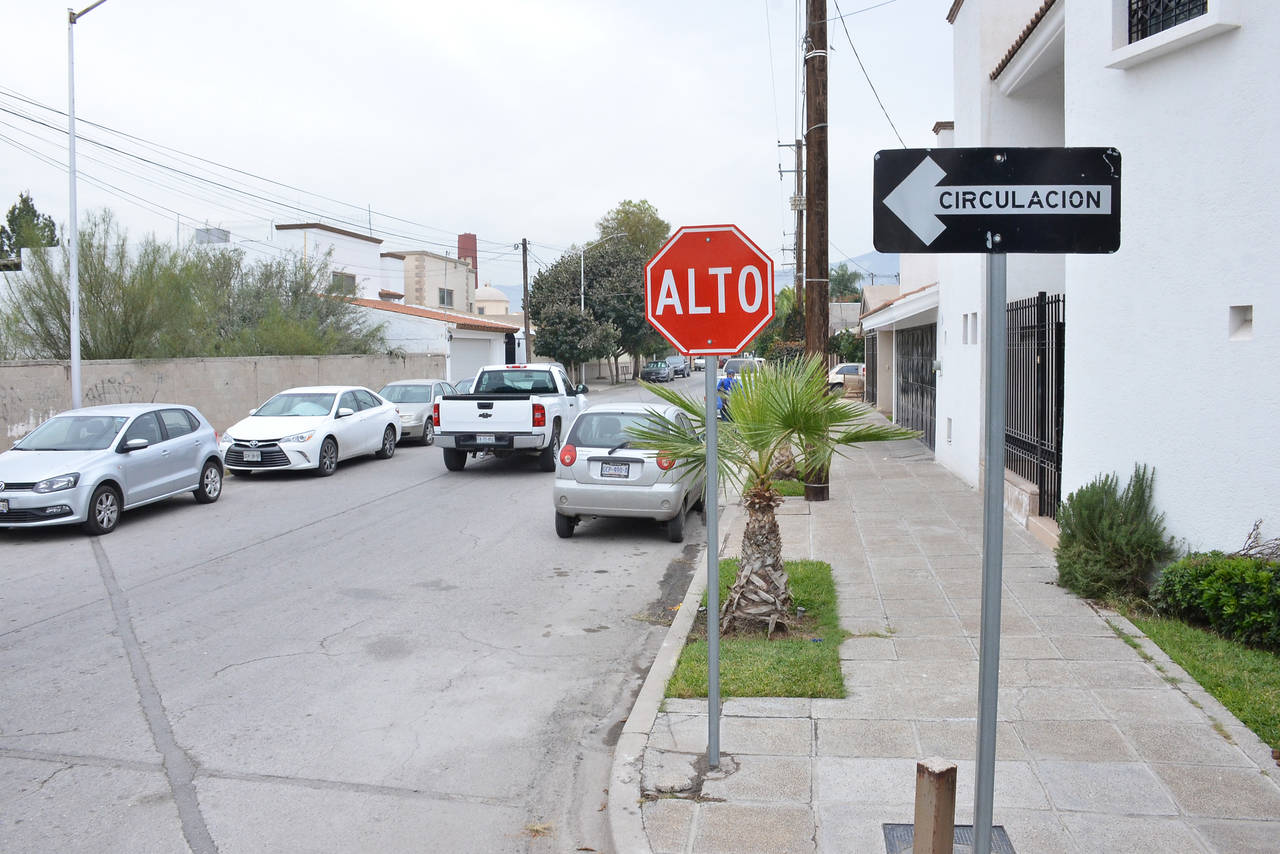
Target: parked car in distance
{"points": [[464, 386], [88, 465], [738, 364], [699, 363], [656, 372], [679, 366], [413, 399], [835, 377], [600, 474], [312, 427]]}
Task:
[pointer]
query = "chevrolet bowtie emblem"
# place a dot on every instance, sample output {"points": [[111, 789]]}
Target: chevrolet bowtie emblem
{"points": [[486, 414]]}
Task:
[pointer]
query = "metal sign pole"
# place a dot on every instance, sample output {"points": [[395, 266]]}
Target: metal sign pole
{"points": [[711, 510], [992, 545]]}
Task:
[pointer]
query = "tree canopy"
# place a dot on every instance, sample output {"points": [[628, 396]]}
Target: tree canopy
{"points": [[645, 230], [845, 285], [25, 227]]}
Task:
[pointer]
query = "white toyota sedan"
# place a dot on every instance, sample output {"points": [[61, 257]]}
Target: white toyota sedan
{"points": [[312, 428], [600, 474]]}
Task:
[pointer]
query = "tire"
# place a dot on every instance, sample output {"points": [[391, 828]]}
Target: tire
{"points": [[388, 448], [328, 462], [428, 433], [210, 483], [547, 459], [701, 503], [104, 511], [675, 527], [565, 526], [455, 460]]}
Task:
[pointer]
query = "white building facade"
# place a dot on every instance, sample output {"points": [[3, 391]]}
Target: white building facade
{"points": [[440, 281], [1162, 362], [466, 342]]}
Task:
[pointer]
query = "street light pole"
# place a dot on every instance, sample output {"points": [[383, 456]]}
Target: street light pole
{"points": [[73, 241]]}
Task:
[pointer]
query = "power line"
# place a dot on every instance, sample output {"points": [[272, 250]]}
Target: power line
{"points": [[845, 26]]}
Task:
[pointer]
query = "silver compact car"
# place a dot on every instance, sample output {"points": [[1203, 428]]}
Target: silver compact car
{"points": [[312, 428], [87, 465], [600, 474], [413, 399]]}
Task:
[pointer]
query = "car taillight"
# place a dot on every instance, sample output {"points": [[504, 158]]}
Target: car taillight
{"points": [[539, 415], [665, 462], [568, 455], [435, 415]]}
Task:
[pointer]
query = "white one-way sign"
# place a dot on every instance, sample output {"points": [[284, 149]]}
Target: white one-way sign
{"points": [[1034, 203]]}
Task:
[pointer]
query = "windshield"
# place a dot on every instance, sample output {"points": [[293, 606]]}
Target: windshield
{"points": [[463, 386], [604, 429], [310, 403], [513, 380], [740, 365], [74, 433], [407, 393]]}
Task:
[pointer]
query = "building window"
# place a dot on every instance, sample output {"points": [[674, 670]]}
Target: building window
{"points": [[1148, 17], [446, 297], [344, 281], [480, 310]]}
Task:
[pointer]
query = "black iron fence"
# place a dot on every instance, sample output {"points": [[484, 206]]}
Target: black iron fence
{"points": [[917, 384], [1033, 401], [869, 362], [1148, 17]]}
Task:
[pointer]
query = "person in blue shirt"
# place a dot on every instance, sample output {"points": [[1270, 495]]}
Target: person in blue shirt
{"points": [[724, 387]]}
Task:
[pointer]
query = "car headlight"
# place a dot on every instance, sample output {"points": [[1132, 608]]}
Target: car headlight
{"points": [[229, 439], [299, 437], [57, 484]]}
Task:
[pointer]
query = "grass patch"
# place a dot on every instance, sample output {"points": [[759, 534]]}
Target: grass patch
{"points": [[1245, 680], [802, 663], [789, 488]]}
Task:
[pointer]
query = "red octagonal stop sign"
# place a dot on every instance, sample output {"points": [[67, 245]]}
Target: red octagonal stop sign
{"points": [[709, 289]]}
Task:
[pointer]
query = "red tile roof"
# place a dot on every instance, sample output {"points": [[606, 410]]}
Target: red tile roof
{"points": [[898, 298], [1022, 37], [462, 321], [293, 226]]}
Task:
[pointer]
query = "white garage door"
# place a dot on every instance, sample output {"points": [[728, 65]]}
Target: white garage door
{"points": [[468, 356]]}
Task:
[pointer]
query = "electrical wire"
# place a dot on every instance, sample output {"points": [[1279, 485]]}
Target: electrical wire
{"points": [[845, 26]]}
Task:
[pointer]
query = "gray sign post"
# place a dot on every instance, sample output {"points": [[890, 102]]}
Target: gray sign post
{"points": [[995, 201], [711, 510]]}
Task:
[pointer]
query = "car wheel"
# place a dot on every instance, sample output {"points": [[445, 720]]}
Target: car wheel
{"points": [[701, 503], [547, 459], [104, 511], [565, 526], [428, 433], [675, 527], [210, 483], [388, 449], [455, 460], [328, 462]]}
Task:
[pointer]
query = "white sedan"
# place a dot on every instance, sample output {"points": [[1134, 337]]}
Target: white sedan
{"points": [[312, 428]]}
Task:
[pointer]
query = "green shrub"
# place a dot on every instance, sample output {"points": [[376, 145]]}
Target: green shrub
{"points": [[1111, 541], [1238, 597]]}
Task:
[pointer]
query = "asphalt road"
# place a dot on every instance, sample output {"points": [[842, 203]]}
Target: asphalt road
{"points": [[398, 658]]}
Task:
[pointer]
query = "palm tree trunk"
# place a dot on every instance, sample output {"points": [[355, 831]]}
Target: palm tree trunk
{"points": [[760, 593]]}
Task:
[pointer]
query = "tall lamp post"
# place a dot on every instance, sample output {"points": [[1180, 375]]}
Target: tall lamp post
{"points": [[74, 239], [582, 267]]}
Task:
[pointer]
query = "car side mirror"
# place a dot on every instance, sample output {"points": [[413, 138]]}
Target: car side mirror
{"points": [[344, 411], [135, 445], [581, 389]]}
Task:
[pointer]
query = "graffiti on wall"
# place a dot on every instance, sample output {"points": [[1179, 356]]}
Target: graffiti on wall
{"points": [[23, 409], [125, 387]]}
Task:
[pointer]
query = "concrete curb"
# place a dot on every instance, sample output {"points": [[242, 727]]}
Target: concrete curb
{"points": [[626, 825]]}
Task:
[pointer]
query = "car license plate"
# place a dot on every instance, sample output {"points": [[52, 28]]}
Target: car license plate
{"points": [[615, 469], [253, 456], [485, 439], [4, 505]]}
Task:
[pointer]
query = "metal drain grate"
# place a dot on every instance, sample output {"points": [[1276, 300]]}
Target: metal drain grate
{"points": [[899, 839]]}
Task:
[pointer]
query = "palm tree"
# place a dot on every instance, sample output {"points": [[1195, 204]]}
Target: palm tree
{"points": [[782, 406]]}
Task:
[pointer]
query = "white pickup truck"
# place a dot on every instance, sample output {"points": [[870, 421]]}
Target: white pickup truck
{"points": [[512, 409]]}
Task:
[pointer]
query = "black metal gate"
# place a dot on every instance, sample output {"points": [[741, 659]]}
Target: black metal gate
{"points": [[1033, 402], [917, 385], [869, 363]]}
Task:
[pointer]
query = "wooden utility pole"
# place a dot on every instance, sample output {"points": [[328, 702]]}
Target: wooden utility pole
{"points": [[798, 204], [817, 483], [528, 343]]}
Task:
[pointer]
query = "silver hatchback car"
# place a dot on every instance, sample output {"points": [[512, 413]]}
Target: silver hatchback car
{"points": [[599, 474], [87, 465]]}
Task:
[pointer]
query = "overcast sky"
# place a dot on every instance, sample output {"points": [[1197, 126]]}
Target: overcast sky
{"points": [[507, 119]]}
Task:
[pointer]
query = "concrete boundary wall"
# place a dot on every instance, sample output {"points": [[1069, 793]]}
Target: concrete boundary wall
{"points": [[223, 389]]}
